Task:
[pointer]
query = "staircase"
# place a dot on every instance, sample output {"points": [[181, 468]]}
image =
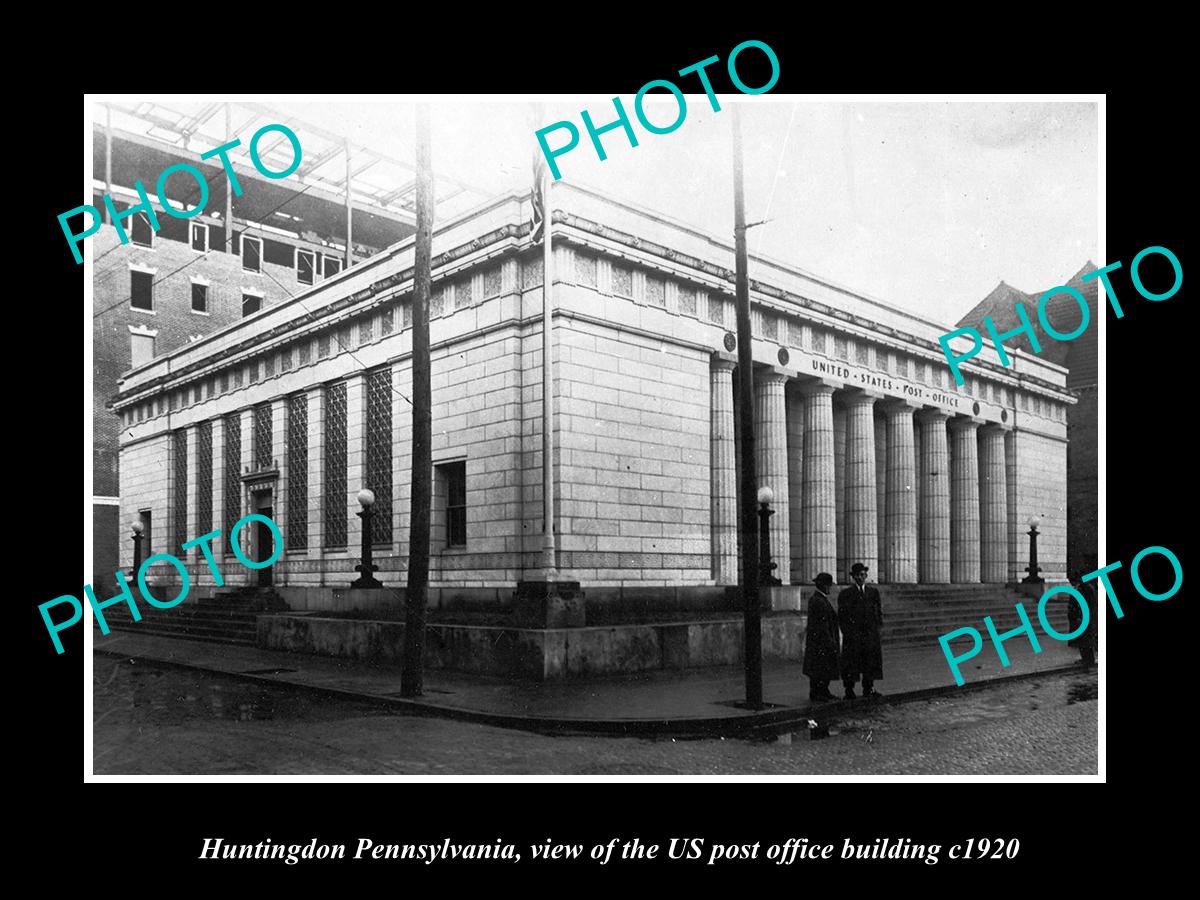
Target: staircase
{"points": [[920, 613], [228, 617]]}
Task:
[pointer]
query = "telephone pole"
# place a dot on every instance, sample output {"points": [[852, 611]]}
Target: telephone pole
{"points": [[411, 675], [748, 476]]}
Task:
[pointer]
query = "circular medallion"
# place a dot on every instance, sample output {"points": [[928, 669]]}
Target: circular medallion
{"points": [[975, 407], [730, 341], [783, 356], [1004, 415]]}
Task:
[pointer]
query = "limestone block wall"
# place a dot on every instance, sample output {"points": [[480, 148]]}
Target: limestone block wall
{"points": [[634, 439], [1042, 492]]}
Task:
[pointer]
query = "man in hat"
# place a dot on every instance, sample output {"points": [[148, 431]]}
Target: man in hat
{"points": [[821, 641], [860, 615]]}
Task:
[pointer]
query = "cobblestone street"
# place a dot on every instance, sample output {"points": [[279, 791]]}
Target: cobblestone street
{"points": [[151, 720]]}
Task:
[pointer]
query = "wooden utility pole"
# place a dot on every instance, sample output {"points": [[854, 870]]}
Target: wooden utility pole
{"points": [[411, 676], [748, 476]]}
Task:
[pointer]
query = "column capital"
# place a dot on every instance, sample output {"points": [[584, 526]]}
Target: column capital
{"points": [[860, 397], [722, 360], [899, 405], [771, 375], [818, 386], [964, 423], [995, 427], [932, 414]]}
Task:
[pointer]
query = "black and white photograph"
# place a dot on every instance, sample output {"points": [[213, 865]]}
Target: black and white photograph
{"points": [[678, 435]]}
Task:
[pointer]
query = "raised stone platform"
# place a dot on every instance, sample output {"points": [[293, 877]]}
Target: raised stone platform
{"points": [[540, 654]]}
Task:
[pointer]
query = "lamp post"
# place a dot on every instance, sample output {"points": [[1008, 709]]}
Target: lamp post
{"points": [[366, 499], [1033, 568], [765, 565], [138, 528]]}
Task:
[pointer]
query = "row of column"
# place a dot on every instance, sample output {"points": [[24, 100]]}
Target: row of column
{"points": [[915, 494]]}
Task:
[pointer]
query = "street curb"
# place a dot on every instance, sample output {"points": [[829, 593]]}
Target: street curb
{"points": [[765, 723]]}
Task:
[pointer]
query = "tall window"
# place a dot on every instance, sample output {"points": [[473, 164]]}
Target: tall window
{"points": [[262, 437], [180, 487], [233, 474], [335, 465], [204, 471], [251, 303], [251, 254], [141, 289], [333, 265], [379, 452], [297, 473], [199, 235], [306, 266], [455, 475], [140, 231], [199, 297]]}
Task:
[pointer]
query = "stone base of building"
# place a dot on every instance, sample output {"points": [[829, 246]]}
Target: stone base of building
{"points": [[538, 654], [548, 604]]}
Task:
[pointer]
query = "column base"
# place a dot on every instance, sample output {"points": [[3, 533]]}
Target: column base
{"points": [[771, 598], [548, 604]]}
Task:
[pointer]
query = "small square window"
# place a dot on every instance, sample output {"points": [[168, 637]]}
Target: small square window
{"points": [[199, 237], [333, 265], [141, 290], [199, 297], [140, 231], [306, 266], [251, 254], [251, 303]]}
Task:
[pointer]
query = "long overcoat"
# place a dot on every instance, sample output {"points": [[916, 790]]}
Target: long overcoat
{"points": [[1091, 636], [860, 615], [821, 643]]}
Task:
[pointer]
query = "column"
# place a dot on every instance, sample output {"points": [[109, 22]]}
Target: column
{"points": [[770, 450], [898, 547], [839, 493], [724, 474], [993, 506], [862, 539], [241, 573], [917, 469], [192, 556], [316, 479], [1015, 573], [880, 491], [964, 501], [795, 455], [935, 499], [279, 459], [819, 534]]}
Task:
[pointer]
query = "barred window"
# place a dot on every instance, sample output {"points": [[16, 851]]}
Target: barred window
{"points": [[531, 272], [687, 301], [492, 282], [335, 465], [297, 473], [233, 474], [379, 452], [656, 291], [204, 484], [622, 280], [716, 309], [180, 487], [262, 437], [585, 270], [462, 294]]}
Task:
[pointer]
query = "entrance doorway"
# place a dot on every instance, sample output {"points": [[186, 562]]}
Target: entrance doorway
{"points": [[263, 540]]}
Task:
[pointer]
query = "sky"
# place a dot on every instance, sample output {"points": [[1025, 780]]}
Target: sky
{"points": [[923, 205]]}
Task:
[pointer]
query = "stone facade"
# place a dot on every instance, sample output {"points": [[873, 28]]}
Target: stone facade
{"points": [[870, 451]]}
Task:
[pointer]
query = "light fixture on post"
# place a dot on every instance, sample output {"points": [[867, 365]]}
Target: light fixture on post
{"points": [[1033, 568], [366, 499], [138, 528], [765, 565]]}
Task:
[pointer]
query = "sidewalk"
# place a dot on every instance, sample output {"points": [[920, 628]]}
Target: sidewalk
{"points": [[691, 702]]}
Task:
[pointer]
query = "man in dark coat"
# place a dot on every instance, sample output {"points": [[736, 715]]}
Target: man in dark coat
{"points": [[1087, 642], [860, 615], [821, 642]]}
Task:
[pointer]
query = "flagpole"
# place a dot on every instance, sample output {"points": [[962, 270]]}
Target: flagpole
{"points": [[549, 567]]}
